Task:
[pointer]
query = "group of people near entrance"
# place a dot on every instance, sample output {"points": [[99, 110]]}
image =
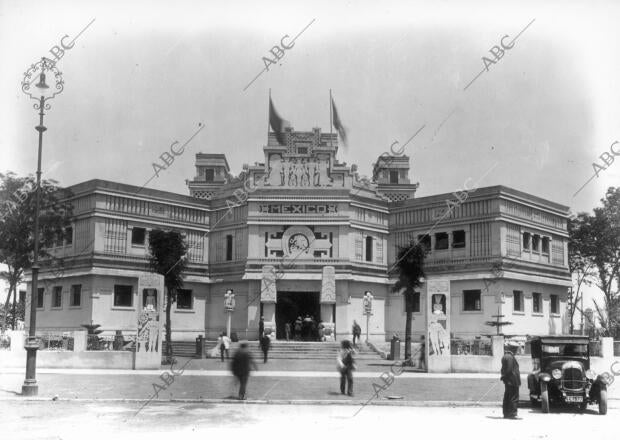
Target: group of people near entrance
{"points": [[305, 329]]}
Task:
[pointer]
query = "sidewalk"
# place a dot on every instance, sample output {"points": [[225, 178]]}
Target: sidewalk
{"points": [[279, 381]]}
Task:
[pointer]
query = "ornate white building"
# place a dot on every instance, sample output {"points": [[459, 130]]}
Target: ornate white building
{"points": [[300, 233]]}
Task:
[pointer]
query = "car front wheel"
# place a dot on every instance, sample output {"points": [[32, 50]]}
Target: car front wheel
{"points": [[602, 402], [544, 397]]}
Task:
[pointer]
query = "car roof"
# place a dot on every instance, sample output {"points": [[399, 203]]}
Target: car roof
{"points": [[565, 339]]}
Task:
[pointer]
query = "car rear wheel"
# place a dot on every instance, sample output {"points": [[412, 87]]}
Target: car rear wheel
{"points": [[544, 397], [602, 402]]}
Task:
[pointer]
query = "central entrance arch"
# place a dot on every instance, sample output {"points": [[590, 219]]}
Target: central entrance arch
{"points": [[290, 305]]}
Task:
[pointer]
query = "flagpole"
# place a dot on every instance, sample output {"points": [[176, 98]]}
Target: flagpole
{"points": [[331, 120], [268, 109]]}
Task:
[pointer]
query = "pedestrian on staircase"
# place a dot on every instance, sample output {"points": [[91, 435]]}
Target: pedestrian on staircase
{"points": [[265, 344], [287, 331], [357, 332], [224, 343], [298, 327]]}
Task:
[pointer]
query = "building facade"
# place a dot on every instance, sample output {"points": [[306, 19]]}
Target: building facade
{"points": [[300, 233]]}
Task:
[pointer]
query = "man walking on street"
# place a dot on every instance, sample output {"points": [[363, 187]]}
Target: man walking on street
{"points": [[241, 363], [512, 380], [346, 365]]}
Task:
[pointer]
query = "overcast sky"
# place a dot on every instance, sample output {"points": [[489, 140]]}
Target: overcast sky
{"points": [[145, 74]]}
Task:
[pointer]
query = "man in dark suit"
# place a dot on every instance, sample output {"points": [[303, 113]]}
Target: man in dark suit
{"points": [[512, 380], [261, 327], [241, 363]]}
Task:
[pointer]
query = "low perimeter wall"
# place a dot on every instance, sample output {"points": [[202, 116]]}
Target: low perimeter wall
{"points": [[15, 356]]}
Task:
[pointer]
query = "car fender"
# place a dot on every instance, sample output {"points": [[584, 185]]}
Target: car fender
{"points": [[532, 383]]}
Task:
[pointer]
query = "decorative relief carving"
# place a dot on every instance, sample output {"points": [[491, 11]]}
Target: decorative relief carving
{"points": [[298, 242], [268, 292], [298, 171], [328, 285]]}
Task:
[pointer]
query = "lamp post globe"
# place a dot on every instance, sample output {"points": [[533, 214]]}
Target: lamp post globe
{"points": [[42, 82]]}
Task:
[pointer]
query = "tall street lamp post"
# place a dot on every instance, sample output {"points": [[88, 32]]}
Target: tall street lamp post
{"points": [[367, 302], [41, 93], [229, 305]]}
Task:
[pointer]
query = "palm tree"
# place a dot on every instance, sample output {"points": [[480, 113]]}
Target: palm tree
{"points": [[167, 257], [410, 268]]}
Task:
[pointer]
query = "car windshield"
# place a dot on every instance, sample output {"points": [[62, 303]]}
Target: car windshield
{"points": [[566, 349]]}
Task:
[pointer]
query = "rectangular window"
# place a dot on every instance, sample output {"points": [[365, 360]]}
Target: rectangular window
{"points": [[517, 296], [393, 176], [229, 247], [22, 297], [555, 304], [415, 302], [40, 292], [76, 295], [441, 240], [138, 236], [526, 241], [536, 303], [369, 243], [123, 295], [209, 175], [471, 300], [69, 235], [302, 150], [458, 239], [545, 245], [185, 299], [425, 241], [57, 296], [535, 242]]}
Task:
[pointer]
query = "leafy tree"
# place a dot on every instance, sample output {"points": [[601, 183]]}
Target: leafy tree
{"points": [[596, 238], [167, 258], [17, 215], [581, 267], [410, 268]]}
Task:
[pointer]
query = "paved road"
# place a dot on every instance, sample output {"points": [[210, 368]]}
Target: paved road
{"points": [[107, 420]]}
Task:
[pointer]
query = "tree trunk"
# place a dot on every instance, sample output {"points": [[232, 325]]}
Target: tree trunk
{"points": [[7, 303], [168, 325], [14, 317], [408, 335]]}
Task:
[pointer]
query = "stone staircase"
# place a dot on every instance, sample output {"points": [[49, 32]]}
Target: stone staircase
{"points": [[281, 350]]}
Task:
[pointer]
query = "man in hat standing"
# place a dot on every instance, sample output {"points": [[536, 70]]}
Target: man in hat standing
{"points": [[512, 380]]}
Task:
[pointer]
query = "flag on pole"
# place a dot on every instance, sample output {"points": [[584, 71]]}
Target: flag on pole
{"points": [[342, 131], [277, 123]]}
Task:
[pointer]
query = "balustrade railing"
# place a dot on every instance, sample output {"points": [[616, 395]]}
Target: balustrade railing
{"points": [[475, 347]]}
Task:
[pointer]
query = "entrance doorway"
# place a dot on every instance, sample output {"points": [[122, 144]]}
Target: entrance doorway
{"points": [[290, 305]]}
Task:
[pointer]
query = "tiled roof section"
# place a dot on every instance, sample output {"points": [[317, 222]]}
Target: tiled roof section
{"points": [[97, 184], [489, 191]]}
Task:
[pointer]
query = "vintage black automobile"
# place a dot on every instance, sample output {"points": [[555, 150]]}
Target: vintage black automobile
{"points": [[562, 374]]}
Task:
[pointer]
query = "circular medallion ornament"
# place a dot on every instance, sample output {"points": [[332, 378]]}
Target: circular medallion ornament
{"points": [[298, 241]]}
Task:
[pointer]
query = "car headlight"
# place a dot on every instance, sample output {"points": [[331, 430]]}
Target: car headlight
{"points": [[544, 377], [557, 374], [590, 374]]}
